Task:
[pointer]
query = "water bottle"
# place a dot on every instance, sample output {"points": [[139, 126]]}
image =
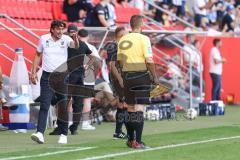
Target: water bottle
{"points": [[19, 94], [207, 110], [19, 79]]}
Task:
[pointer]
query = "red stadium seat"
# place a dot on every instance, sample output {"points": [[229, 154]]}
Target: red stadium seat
{"points": [[124, 14], [57, 10]]}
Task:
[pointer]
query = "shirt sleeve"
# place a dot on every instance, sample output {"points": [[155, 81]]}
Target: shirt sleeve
{"points": [[114, 57], [216, 54], [100, 10], [40, 45], [201, 3], [147, 48], [95, 52], [88, 50]]}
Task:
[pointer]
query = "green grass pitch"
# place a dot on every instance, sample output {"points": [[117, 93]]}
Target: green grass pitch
{"points": [[206, 138]]}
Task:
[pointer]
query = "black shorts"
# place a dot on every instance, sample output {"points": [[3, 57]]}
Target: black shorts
{"points": [[136, 86]]}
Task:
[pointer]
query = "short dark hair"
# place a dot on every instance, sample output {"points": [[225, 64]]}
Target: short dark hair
{"points": [[83, 33], [57, 23], [195, 42], [118, 30], [136, 21], [216, 41]]}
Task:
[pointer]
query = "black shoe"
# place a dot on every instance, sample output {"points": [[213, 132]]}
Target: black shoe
{"points": [[121, 135], [56, 131], [73, 130]]}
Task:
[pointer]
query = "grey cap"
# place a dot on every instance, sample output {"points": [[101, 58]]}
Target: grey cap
{"points": [[72, 27]]}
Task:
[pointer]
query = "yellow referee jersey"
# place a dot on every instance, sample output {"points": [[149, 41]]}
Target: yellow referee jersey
{"points": [[133, 49]]}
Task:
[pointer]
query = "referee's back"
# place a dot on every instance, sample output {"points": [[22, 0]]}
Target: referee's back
{"points": [[133, 49]]}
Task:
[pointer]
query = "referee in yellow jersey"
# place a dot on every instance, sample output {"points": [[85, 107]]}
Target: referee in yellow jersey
{"points": [[136, 62]]}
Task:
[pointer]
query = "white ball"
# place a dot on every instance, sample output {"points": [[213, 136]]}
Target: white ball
{"points": [[153, 115], [191, 113]]}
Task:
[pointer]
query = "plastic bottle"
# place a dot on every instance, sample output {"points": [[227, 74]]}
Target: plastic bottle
{"points": [[19, 79], [19, 93]]}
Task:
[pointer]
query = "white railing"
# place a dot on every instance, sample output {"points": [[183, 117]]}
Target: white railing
{"points": [[20, 25]]}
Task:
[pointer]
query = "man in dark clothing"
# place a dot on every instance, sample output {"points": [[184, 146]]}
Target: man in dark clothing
{"points": [[72, 9], [117, 81], [99, 15], [76, 73], [227, 21]]}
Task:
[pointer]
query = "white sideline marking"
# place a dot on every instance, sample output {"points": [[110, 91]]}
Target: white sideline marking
{"points": [[65, 147], [159, 148], [48, 153]]}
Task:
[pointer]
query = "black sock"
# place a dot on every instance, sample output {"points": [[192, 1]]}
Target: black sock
{"points": [[130, 126], [138, 126], [119, 120]]}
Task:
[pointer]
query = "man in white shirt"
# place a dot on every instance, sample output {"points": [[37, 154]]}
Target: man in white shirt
{"points": [[191, 55], [89, 79], [180, 7], [216, 60], [200, 8], [139, 4], [52, 49]]}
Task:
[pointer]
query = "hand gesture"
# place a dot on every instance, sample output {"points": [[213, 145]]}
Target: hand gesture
{"points": [[224, 60], [74, 36], [34, 78]]}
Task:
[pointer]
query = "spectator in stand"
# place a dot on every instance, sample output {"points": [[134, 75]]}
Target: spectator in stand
{"points": [[200, 8], [76, 9], [72, 9], [86, 9], [228, 21], [237, 21], [123, 3], [220, 10], [139, 4], [168, 20], [228, 3], [99, 15], [212, 15], [159, 15], [112, 14], [237, 2], [179, 7]]}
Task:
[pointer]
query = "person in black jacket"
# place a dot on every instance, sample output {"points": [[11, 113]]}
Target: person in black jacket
{"points": [[99, 15]]}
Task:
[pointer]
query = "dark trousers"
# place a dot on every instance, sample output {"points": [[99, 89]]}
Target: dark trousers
{"points": [[47, 92], [198, 19], [75, 78], [216, 86]]}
